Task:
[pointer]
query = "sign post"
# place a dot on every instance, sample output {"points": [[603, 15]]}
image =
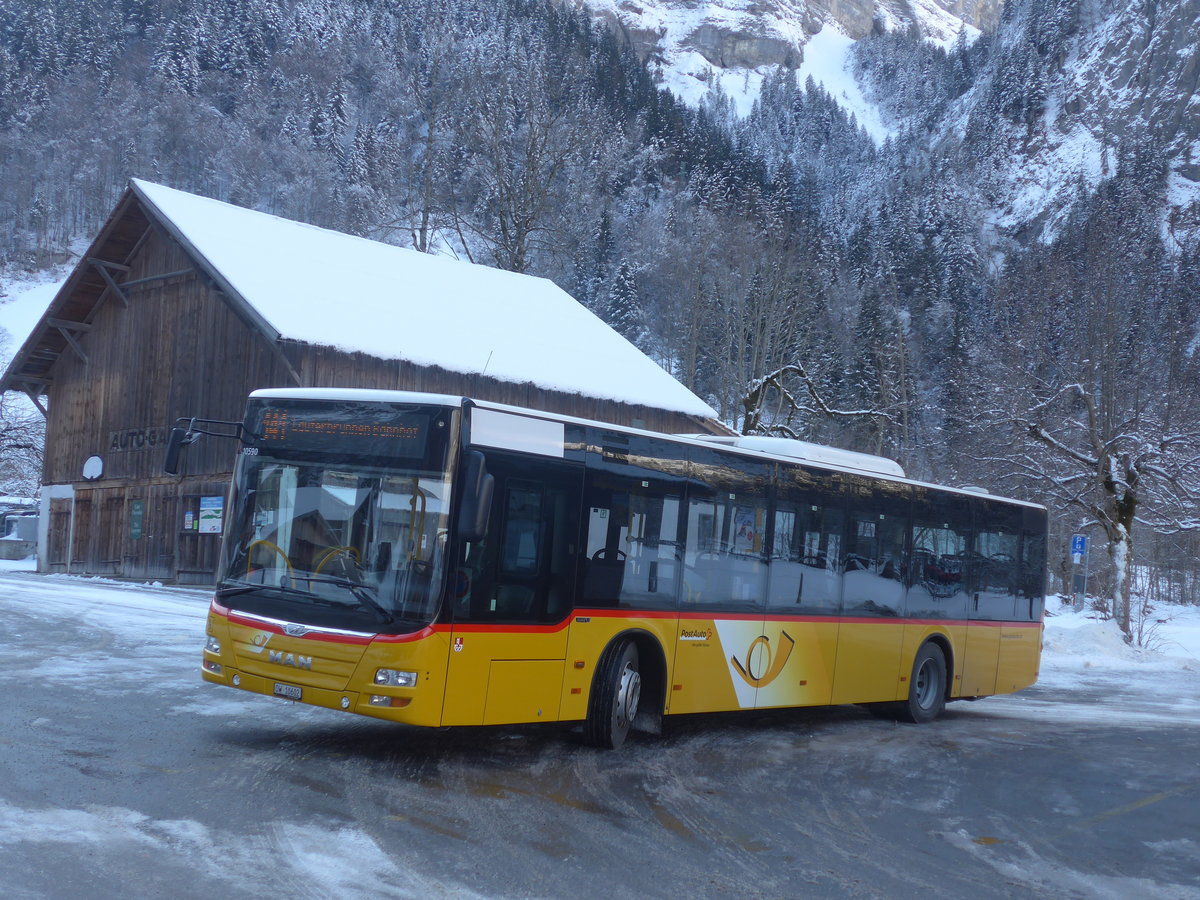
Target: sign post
{"points": [[1079, 555]]}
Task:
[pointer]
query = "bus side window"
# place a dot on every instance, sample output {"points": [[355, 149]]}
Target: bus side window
{"points": [[632, 543], [604, 572], [725, 558], [522, 528], [805, 553], [943, 570], [875, 562], [997, 560], [1031, 583]]}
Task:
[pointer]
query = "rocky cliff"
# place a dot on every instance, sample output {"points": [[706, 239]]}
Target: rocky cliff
{"points": [[749, 34]]}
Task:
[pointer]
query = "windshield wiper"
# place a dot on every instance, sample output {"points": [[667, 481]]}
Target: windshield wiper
{"points": [[361, 594], [223, 592], [362, 597]]}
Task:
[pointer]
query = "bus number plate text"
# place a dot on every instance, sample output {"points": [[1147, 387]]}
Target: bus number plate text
{"points": [[290, 691]]}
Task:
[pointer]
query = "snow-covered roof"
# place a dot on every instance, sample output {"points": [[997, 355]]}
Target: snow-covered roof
{"points": [[815, 453], [323, 287]]}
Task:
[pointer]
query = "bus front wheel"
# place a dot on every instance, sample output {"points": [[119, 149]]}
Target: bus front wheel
{"points": [[926, 686], [613, 703]]}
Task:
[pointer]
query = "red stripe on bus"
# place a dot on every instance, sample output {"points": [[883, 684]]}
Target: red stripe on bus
{"points": [[484, 628], [631, 615]]}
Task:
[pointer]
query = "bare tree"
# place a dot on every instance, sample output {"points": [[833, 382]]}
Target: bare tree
{"points": [[798, 398], [22, 442], [1136, 471], [530, 138]]}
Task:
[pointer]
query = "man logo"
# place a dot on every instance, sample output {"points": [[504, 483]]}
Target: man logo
{"points": [[290, 659], [760, 669]]}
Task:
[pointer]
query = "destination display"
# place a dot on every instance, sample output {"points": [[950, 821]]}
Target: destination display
{"points": [[360, 429]]}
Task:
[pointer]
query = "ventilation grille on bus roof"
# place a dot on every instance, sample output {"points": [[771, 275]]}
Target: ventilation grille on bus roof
{"points": [[815, 453]]}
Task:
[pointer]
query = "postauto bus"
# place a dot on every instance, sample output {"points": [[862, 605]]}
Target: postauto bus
{"points": [[437, 561]]}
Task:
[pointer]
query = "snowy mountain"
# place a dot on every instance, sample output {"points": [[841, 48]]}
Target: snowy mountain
{"points": [[733, 43], [1058, 86], [1068, 90]]}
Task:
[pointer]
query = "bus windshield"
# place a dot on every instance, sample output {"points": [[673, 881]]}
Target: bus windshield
{"points": [[338, 540]]}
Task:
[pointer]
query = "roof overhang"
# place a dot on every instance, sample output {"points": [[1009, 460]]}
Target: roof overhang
{"points": [[102, 276], [240, 306], [71, 312]]}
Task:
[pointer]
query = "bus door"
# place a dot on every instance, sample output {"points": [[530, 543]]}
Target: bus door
{"points": [[993, 592], [511, 597], [725, 650], [870, 639], [941, 573], [1021, 639], [804, 587]]}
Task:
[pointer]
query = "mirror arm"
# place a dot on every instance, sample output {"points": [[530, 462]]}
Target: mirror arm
{"points": [[182, 437]]}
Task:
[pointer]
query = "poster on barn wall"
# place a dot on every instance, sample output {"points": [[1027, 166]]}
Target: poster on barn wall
{"points": [[212, 511]]}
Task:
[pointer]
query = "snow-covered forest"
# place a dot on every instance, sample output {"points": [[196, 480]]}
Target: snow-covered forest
{"points": [[1003, 292]]}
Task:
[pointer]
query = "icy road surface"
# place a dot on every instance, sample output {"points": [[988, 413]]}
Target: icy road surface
{"points": [[125, 776]]}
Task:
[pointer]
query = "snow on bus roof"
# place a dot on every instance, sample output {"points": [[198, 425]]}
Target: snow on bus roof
{"points": [[328, 288]]}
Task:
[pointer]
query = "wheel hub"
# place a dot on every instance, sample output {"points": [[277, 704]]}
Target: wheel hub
{"points": [[628, 695], [926, 685]]}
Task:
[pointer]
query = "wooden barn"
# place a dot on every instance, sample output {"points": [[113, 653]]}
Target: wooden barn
{"points": [[183, 305]]}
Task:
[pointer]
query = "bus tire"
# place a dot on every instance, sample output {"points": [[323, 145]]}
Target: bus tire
{"points": [[926, 686], [613, 703]]}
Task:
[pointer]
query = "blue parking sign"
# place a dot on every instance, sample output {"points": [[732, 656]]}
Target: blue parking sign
{"points": [[1079, 544]]}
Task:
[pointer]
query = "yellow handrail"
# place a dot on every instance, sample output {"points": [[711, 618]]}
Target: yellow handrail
{"points": [[272, 545], [334, 552]]}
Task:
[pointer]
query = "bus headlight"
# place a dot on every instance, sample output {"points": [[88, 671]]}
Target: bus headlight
{"points": [[212, 645], [395, 678]]}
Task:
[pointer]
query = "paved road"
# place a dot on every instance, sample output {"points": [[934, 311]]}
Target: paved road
{"points": [[124, 776]]}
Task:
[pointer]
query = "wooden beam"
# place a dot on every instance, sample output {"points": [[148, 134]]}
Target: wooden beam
{"points": [[137, 245], [277, 347], [69, 324], [102, 267], [147, 280], [35, 397], [96, 261], [70, 339]]}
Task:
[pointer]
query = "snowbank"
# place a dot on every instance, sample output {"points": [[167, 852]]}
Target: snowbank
{"points": [[1081, 639]]}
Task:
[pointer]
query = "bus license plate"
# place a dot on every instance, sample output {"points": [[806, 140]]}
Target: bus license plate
{"points": [[290, 691]]}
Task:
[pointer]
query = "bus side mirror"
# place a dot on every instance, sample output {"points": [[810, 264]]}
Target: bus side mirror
{"points": [[180, 438], [476, 505]]}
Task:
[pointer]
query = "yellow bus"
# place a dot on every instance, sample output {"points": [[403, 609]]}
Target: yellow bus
{"points": [[439, 561]]}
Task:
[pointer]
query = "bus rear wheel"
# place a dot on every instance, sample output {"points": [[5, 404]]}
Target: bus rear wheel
{"points": [[926, 686], [613, 703]]}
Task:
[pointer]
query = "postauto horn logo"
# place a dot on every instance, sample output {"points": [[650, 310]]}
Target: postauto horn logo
{"points": [[763, 666]]}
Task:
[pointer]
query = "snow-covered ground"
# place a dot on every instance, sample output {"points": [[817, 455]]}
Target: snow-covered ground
{"points": [[1080, 647], [340, 807], [23, 302], [1080, 638]]}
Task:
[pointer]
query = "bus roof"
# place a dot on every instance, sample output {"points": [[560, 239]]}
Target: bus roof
{"points": [[751, 446]]}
